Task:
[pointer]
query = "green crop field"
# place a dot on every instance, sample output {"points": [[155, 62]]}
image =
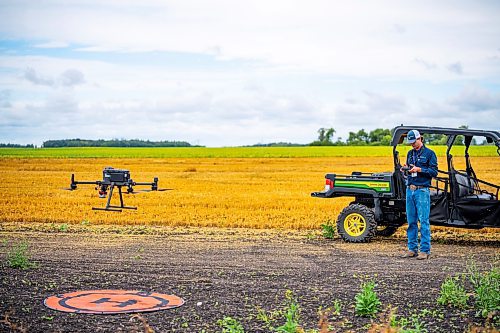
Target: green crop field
{"points": [[229, 152]]}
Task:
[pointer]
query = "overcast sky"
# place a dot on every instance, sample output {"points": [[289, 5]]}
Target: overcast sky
{"points": [[223, 73]]}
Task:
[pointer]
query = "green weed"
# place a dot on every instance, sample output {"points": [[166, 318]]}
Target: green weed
{"points": [[230, 325], [328, 229], [367, 301], [453, 293], [18, 257], [408, 325], [486, 289], [290, 314]]}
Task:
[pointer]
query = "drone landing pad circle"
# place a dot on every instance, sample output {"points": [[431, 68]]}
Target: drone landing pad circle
{"points": [[112, 301]]}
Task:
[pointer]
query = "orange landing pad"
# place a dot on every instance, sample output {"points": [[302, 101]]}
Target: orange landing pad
{"points": [[112, 301]]}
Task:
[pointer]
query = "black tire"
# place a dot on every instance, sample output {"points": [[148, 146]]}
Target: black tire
{"points": [[386, 230], [356, 224]]}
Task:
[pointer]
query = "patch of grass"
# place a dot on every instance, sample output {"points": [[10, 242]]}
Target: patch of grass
{"points": [[367, 301], [453, 293], [18, 256]]}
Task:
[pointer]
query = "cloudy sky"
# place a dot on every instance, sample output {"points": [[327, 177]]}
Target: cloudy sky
{"points": [[231, 72]]}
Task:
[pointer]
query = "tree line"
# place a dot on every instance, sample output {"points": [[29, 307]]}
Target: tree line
{"points": [[377, 137], [16, 145], [113, 143]]}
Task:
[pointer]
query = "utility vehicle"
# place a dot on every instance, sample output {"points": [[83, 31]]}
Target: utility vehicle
{"points": [[458, 197]]}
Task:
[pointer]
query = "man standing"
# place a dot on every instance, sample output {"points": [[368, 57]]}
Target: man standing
{"points": [[423, 165]]}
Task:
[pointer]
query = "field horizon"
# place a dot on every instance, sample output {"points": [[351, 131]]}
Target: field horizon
{"points": [[230, 152]]}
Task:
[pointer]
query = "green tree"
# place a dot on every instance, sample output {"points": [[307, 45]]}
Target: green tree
{"points": [[329, 135], [360, 138], [377, 136], [321, 136], [325, 137]]}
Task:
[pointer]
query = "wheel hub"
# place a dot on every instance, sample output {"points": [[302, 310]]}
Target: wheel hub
{"points": [[355, 224]]}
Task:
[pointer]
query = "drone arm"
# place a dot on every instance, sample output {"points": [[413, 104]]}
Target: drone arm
{"points": [[153, 184], [74, 182]]}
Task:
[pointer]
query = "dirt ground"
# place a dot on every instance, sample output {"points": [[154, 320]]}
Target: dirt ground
{"points": [[229, 272]]}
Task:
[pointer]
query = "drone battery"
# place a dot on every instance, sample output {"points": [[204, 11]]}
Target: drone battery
{"points": [[111, 175]]}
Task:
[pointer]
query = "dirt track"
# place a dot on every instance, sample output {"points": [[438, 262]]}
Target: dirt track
{"points": [[231, 272]]}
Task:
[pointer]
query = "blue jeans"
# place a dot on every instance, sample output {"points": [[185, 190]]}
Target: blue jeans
{"points": [[418, 207]]}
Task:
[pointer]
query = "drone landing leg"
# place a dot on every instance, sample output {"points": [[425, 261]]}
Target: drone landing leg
{"points": [[112, 208], [121, 201]]}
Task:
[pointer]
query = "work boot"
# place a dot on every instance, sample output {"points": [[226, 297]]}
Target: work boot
{"points": [[423, 256], [409, 254]]}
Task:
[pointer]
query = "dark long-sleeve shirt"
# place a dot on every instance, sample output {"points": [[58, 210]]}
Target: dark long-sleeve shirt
{"points": [[425, 159]]}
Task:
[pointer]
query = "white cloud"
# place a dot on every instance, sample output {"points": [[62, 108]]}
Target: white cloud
{"points": [[353, 39]]}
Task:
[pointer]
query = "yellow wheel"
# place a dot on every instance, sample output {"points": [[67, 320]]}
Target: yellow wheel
{"points": [[355, 224]]}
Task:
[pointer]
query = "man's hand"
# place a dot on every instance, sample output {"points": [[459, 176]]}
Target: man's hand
{"points": [[404, 168], [415, 169]]}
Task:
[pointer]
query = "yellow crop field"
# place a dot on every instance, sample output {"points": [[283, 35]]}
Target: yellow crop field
{"points": [[221, 192]]}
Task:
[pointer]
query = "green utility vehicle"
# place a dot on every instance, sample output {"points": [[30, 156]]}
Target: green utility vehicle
{"points": [[458, 197]]}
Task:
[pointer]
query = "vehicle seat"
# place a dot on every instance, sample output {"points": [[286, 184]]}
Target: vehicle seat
{"points": [[466, 189]]}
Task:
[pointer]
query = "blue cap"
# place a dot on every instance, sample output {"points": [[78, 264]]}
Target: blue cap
{"points": [[412, 136]]}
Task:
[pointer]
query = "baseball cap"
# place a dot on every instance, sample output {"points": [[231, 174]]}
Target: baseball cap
{"points": [[412, 136]]}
